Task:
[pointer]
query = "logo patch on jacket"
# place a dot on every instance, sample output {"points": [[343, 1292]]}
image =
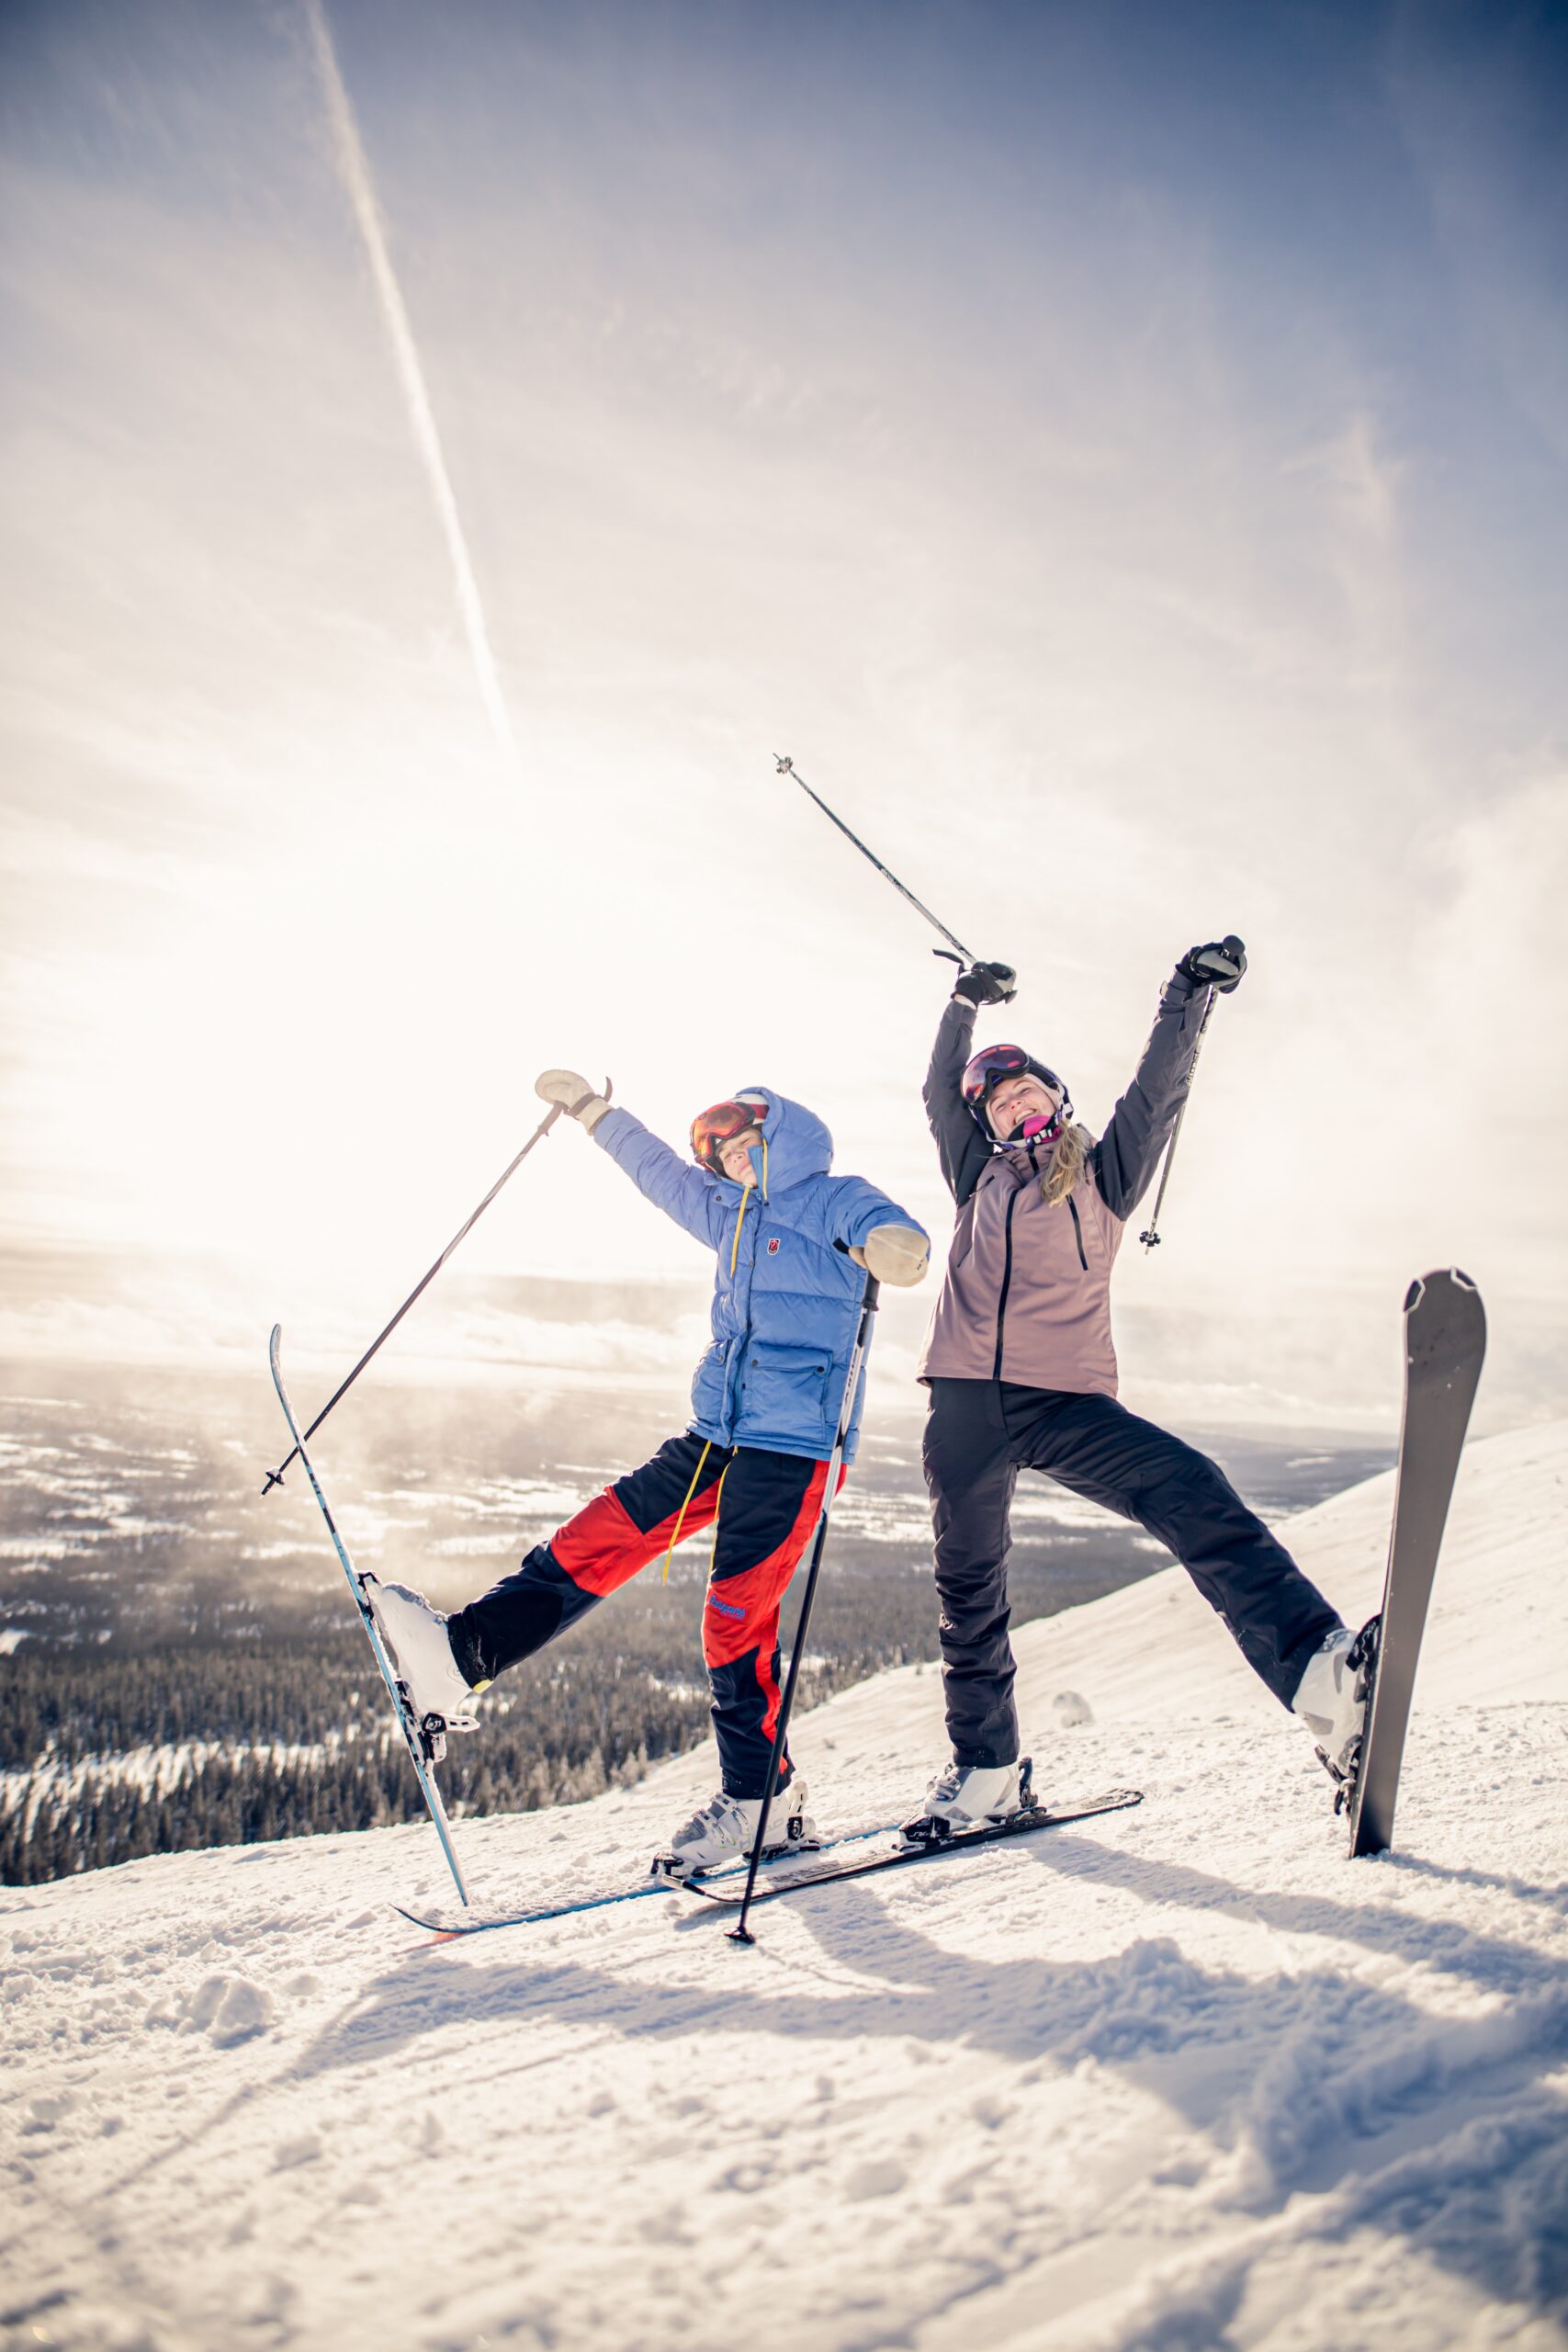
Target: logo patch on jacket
{"points": [[772, 1245]]}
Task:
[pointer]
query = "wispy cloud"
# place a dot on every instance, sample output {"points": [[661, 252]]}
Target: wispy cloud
{"points": [[354, 168]]}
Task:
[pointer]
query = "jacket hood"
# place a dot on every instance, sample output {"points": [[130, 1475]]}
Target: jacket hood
{"points": [[797, 1144]]}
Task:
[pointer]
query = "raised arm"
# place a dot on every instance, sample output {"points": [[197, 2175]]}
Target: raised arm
{"points": [[960, 1145], [662, 1177], [1124, 1160], [672, 1184]]}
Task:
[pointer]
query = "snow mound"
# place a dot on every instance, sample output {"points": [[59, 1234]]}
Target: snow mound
{"points": [[1179, 2077]]}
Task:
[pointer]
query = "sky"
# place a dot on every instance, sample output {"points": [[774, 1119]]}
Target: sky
{"points": [[1120, 453]]}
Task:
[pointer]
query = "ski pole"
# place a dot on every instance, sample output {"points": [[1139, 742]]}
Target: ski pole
{"points": [[274, 1477], [1150, 1236], [787, 767], [740, 1933]]}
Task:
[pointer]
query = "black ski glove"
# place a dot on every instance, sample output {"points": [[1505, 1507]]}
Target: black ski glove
{"points": [[986, 984], [1220, 965]]}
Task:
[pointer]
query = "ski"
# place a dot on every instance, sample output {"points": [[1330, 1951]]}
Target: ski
{"points": [[1020, 1824], [440, 1923], [1444, 1341], [425, 1750], [443, 1923], [787, 1872]]}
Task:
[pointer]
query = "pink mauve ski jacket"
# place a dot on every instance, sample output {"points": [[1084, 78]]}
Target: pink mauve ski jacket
{"points": [[1026, 1296]]}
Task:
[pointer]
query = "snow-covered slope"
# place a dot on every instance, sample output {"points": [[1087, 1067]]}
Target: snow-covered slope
{"points": [[1182, 2077]]}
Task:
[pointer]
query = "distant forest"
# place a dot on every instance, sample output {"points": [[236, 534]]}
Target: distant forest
{"points": [[287, 1738]]}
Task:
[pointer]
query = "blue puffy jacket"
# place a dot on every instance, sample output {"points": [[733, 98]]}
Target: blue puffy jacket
{"points": [[787, 1303]]}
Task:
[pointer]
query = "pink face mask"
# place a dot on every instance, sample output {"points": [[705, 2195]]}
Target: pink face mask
{"points": [[1040, 1126]]}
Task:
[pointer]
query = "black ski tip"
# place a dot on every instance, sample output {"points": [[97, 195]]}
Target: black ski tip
{"points": [[1455, 1274], [1443, 1282]]}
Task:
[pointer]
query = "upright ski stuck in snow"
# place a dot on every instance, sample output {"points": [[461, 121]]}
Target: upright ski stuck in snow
{"points": [[424, 1751], [1444, 1341]]}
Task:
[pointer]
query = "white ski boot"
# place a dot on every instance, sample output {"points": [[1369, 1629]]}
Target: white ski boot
{"points": [[415, 1635], [971, 1796], [1331, 1699], [725, 1828]]}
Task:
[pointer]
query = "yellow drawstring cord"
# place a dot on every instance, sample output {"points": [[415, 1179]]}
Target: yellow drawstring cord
{"points": [[745, 1201], [735, 1245], [679, 1516]]}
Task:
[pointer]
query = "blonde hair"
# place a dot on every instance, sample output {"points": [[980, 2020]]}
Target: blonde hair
{"points": [[1072, 1148]]}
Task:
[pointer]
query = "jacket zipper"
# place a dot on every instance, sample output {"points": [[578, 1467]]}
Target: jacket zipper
{"points": [[1006, 1279], [1078, 1232]]}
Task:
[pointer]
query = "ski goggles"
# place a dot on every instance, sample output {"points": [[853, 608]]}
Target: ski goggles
{"points": [[986, 1072], [719, 1125]]}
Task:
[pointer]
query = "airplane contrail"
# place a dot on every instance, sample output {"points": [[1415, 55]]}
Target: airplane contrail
{"points": [[354, 165]]}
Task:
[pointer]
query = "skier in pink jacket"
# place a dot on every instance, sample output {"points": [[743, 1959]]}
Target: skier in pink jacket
{"points": [[1021, 1371]]}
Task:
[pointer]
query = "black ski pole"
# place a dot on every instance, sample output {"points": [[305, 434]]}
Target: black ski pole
{"points": [[274, 1477], [1150, 1236], [787, 767], [740, 1933]]}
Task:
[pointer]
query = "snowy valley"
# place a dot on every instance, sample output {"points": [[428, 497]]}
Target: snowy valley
{"points": [[1180, 2078]]}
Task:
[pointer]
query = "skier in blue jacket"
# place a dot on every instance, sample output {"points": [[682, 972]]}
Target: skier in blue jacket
{"points": [[794, 1244]]}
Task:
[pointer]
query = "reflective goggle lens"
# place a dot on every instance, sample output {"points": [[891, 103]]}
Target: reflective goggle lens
{"points": [[990, 1068], [719, 1125]]}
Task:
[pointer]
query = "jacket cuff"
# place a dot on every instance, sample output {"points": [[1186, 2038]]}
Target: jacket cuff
{"points": [[1180, 1002], [610, 1125]]}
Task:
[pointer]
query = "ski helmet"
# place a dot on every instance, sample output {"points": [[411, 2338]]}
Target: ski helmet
{"points": [[721, 1123], [989, 1069]]}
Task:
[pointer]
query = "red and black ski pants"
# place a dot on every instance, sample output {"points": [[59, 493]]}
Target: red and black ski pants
{"points": [[980, 1433], [764, 1508]]}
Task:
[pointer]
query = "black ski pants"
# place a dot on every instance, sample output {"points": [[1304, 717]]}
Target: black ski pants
{"points": [[980, 1433]]}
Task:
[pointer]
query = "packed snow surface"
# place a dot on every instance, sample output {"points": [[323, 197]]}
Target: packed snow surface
{"points": [[1181, 2077]]}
